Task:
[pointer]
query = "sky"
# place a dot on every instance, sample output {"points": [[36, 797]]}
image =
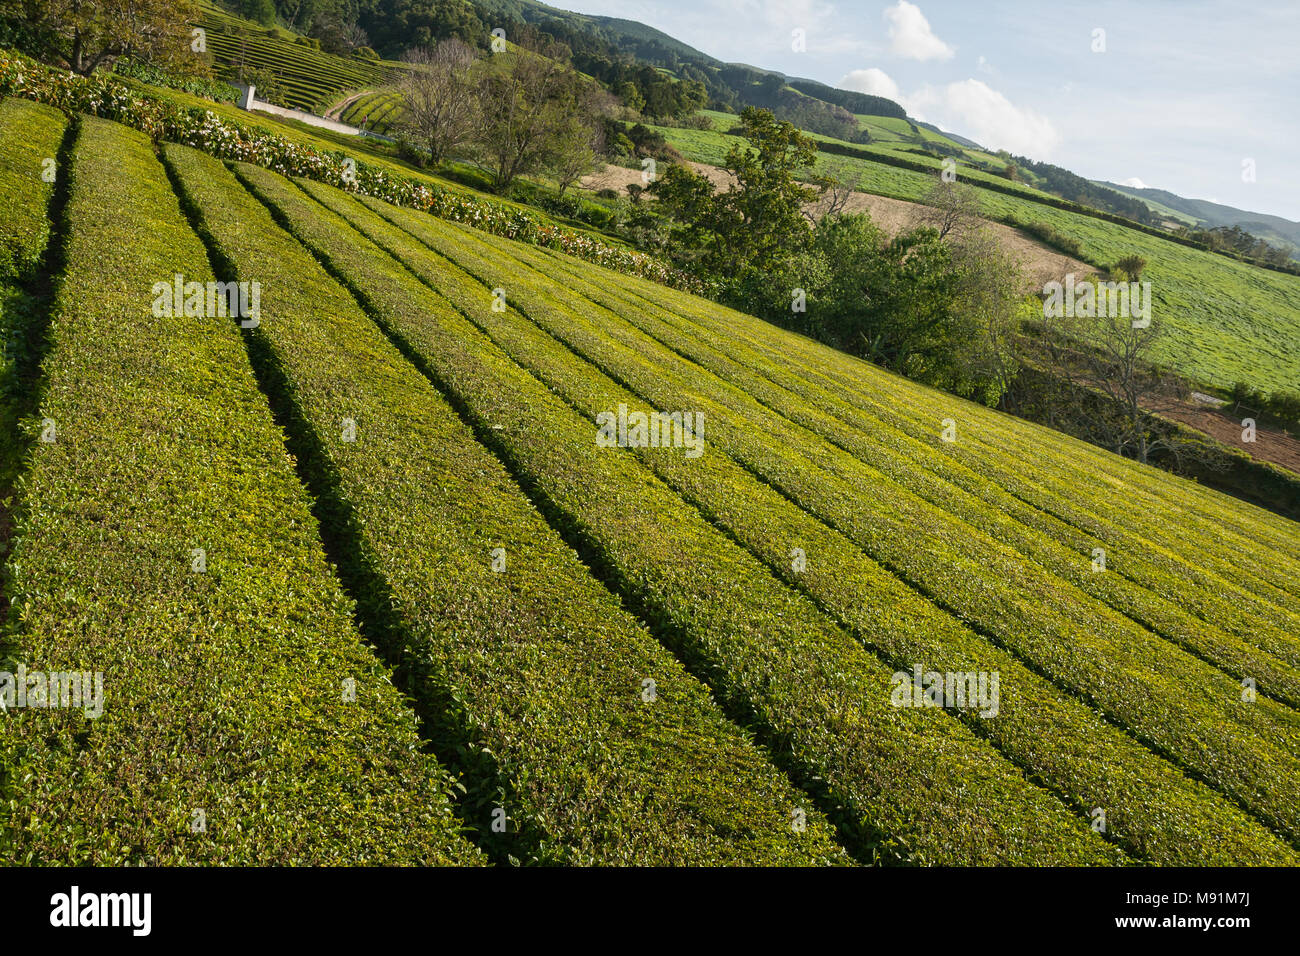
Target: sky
{"points": [[1199, 97]]}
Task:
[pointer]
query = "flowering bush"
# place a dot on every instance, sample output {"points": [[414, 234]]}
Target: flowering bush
{"points": [[103, 95]]}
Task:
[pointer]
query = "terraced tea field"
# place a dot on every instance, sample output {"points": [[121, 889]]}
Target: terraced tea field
{"points": [[377, 112], [462, 551], [312, 80]]}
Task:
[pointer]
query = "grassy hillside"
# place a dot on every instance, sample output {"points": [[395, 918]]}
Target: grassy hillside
{"points": [[1273, 229], [629, 35], [1227, 321], [220, 740], [627, 654], [1167, 211]]}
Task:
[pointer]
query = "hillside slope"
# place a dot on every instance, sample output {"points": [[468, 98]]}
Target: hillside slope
{"points": [[1225, 321], [695, 649], [310, 79]]}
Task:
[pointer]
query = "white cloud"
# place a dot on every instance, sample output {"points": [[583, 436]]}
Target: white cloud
{"points": [[873, 81], [970, 107], [910, 35], [1134, 183], [976, 110], [984, 66]]}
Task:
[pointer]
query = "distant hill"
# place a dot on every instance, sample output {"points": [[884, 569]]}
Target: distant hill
{"points": [[642, 41], [1273, 229], [730, 84], [968, 143]]}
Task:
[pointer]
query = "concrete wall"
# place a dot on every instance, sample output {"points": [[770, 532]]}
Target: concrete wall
{"points": [[249, 101]]}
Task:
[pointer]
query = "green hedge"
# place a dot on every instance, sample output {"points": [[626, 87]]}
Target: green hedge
{"points": [[1169, 699], [30, 135], [1212, 530], [1235, 541], [226, 735], [536, 669], [816, 696], [1216, 540], [163, 115]]}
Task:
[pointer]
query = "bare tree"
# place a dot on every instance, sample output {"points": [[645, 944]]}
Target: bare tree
{"points": [[531, 101], [355, 36], [951, 208], [835, 188], [439, 96], [578, 142], [1106, 382]]}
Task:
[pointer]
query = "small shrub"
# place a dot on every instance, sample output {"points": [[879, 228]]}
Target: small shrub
{"points": [[1052, 237]]}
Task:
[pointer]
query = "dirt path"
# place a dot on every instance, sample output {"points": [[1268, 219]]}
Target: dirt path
{"points": [[1040, 262], [336, 111]]}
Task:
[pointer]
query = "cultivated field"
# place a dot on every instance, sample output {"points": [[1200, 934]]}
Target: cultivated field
{"points": [[377, 112], [364, 584]]}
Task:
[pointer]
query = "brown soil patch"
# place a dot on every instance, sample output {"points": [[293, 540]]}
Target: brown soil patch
{"points": [[1271, 444]]}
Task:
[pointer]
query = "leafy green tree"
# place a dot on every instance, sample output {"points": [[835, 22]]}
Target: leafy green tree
{"points": [[991, 306], [259, 11], [1130, 268], [395, 25], [944, 313], [630, 94], [891, 303], [756, 229], [265, 84], [660, 98], [84, 35]]}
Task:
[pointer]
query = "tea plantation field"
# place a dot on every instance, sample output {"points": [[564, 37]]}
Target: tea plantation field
{"points": [[311, 79], [378, 112], [461, 551]]}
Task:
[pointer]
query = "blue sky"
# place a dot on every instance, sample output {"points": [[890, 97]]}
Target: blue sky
{"points": [[1183, 96]]}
